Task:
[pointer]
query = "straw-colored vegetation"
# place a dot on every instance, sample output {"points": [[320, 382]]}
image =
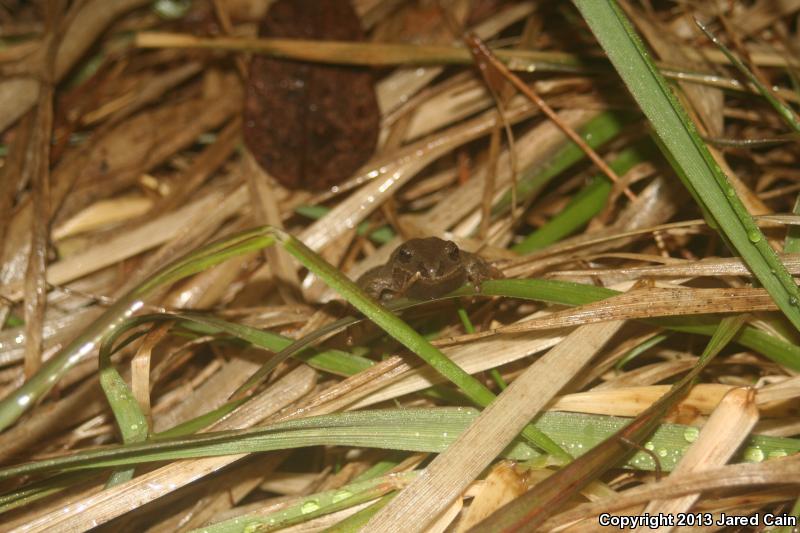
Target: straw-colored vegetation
{"points": [[182, 344]]}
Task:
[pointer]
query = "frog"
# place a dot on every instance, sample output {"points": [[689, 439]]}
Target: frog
{"points": [[424, 269]]}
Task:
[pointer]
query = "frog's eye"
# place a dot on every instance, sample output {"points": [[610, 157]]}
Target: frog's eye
{"points": [[452, 251], [404, 254]]}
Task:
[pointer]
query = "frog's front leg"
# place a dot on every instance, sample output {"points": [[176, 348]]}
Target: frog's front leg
{"points": [[378, 283], [479, 271]]}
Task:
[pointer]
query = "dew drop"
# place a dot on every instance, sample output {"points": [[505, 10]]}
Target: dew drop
{"points": [[754, 235], [691, 434], [309, 507], [754, 455], [341, 495]]}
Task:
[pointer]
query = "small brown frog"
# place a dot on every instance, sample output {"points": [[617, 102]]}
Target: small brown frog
{"points": [[424, 269]]}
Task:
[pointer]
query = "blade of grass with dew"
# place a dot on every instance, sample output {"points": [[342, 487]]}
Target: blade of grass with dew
{"points": [[355, 522], [27, 395], [531, 509], [785, 112], [314, 505], [131, 421], [412, 430], [678, 134]]}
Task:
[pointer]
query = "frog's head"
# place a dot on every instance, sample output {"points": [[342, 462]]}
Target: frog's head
{"points": [[437, 265]]}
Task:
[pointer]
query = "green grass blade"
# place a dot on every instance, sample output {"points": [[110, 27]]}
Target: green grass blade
{"points": [[131, 421], [356, 522], [314, 505], [411, 430], [785, 112]]}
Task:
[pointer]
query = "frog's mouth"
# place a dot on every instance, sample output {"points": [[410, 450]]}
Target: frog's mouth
{"points": [[428, 277], [433, 278], [421, 287]]}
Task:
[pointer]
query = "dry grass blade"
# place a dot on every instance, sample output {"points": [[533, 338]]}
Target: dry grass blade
{"points": [[263, 194], [778, 471], [38, 168], [341, 52], [142, 238], [140, 367], [634, 400], [649, 303]]}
